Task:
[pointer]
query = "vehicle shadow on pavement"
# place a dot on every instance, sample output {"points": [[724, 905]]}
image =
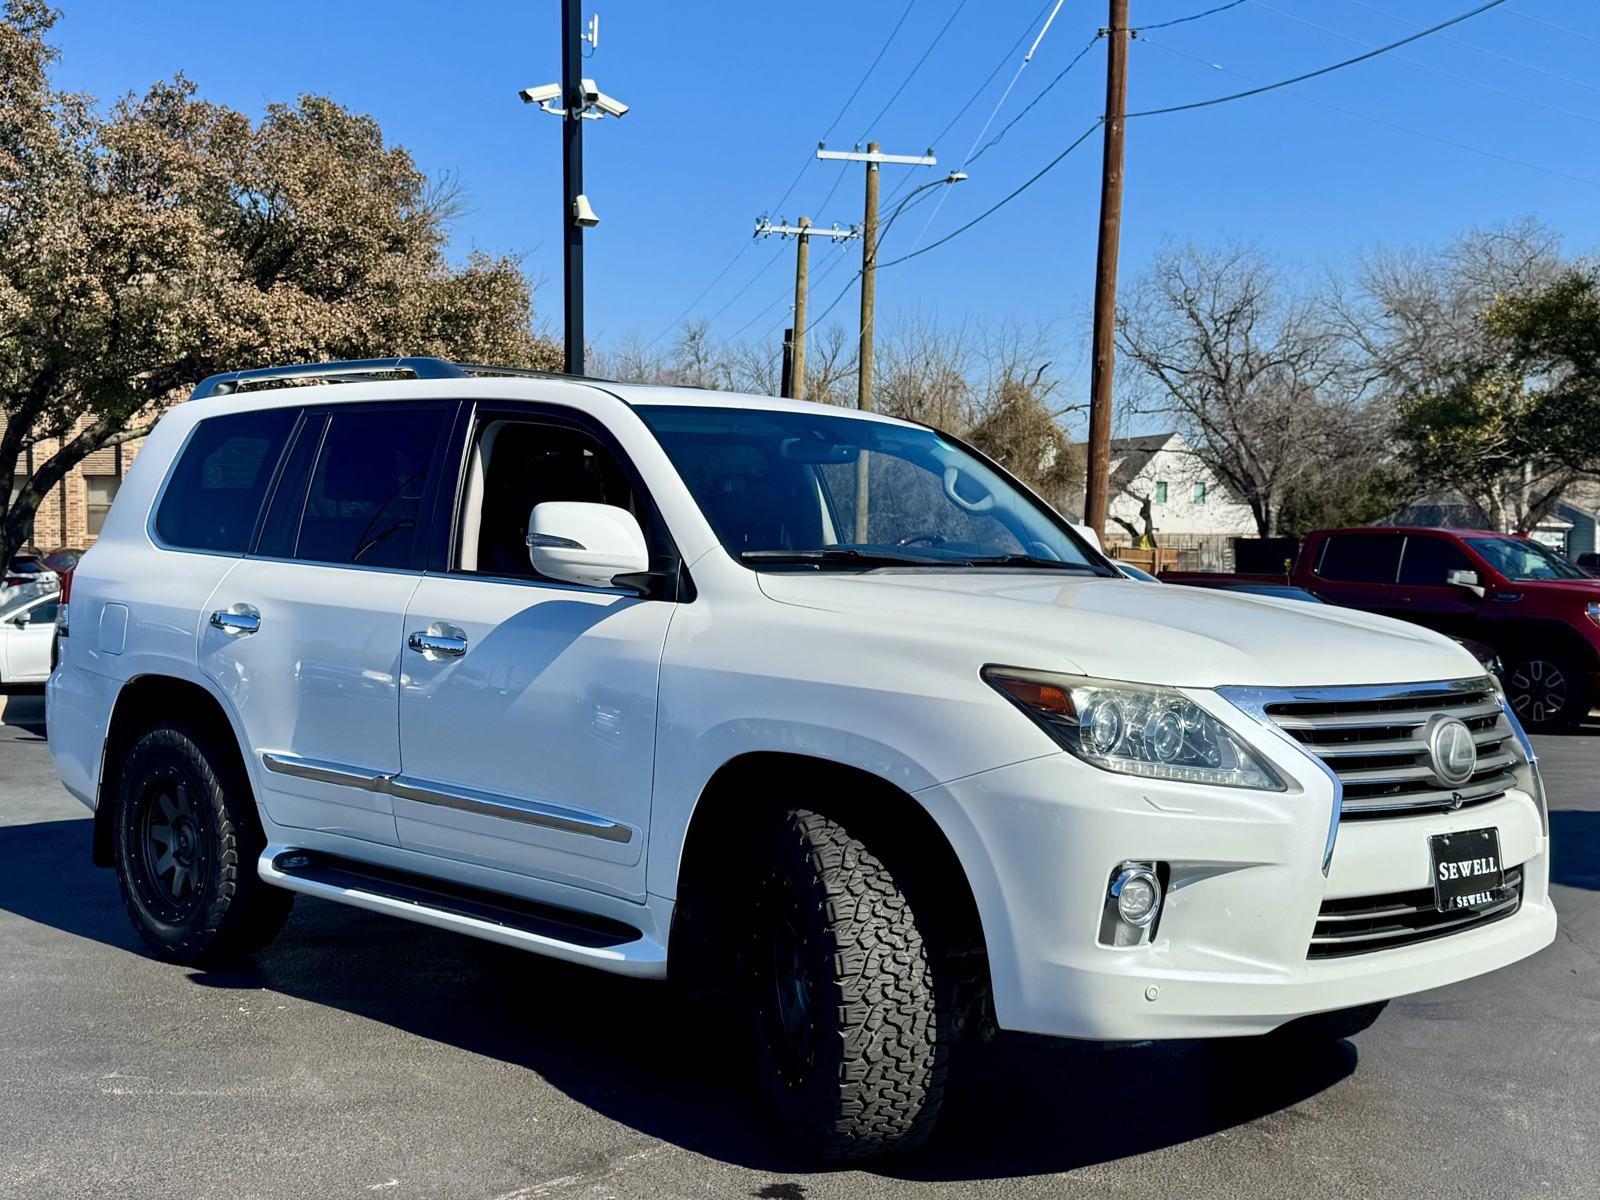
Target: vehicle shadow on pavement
{"points": [[672, 1069], [23, 708], [1575, 848]]}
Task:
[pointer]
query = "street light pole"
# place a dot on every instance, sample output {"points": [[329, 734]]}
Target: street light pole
{"points": [[572, 178]]}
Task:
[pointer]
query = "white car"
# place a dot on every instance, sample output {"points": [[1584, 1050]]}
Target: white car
{"points": [[27, 628], [811, 705]]}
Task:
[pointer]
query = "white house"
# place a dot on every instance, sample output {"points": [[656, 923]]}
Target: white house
{"points": [[1185, 498]]}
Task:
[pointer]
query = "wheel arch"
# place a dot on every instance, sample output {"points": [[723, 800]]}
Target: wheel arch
{"points": [[1526, 633], [141, 703], [749, 787]]}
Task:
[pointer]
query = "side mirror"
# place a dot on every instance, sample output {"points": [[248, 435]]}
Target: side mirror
{"points": [[1088, 535], [1465, 579], [586, 544]]}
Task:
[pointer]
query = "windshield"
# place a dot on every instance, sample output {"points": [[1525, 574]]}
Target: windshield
{"points": [[786, 490], [1524, 560]]}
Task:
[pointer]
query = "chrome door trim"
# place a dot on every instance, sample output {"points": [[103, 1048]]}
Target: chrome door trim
{"points": [[484, 804], [509, 808], [320, 771]]}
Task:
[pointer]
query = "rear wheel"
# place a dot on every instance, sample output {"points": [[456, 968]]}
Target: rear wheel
{"points": [[851, 1036], [1546, 690], [186, 843]]}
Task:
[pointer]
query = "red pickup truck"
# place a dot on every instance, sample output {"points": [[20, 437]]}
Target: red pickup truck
{"points": [[1541, 613]]}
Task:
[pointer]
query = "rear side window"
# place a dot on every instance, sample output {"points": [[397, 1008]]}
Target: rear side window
{"points": [[215, 493], [1361, 558], [1429, 559], [365, 500]]}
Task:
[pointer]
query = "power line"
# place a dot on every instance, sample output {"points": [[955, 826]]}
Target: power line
{"points": [[1516, 62], [1417, 62], [1387, 124], [993, 208], [1328, 70], [989, 78], [1045, 91], [873, 66], [1193, 16], [1577, 33], [911, 74], [788, 191]]}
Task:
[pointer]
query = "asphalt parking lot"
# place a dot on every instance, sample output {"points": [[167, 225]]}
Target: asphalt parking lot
{"points": [[362, 1056]]}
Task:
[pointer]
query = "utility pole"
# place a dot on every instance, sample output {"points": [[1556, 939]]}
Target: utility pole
{"points": [[1097, 482], [580, 101], [572, 177], [869, 292], [795, 343]]}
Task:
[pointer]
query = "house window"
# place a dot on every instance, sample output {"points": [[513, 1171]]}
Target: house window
{"points": [[100, 491], [1199, 493], [1161, 492]]}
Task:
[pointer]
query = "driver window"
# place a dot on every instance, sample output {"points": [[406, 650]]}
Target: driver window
{"points": [[516, 465]]}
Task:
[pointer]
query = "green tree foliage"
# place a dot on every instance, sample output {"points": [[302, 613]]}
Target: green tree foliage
{"points": [[1517, 422], [149, 245]]}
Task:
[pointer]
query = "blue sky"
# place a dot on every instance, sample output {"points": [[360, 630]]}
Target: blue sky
{"points": [[729, 99]]}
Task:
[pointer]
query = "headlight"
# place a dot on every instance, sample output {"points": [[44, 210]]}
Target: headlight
{"points": [[1134, 729]]}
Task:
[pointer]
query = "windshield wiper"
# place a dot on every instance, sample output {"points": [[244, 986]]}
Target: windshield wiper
{"points": [[1030, 560], [839, 556]]}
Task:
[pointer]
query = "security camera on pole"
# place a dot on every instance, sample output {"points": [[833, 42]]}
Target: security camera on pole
{"points": [[580, 100]]}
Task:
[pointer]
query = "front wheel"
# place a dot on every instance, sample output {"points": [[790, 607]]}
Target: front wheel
{"points": [[186, 843], [1547, 691], [851, 1036]]}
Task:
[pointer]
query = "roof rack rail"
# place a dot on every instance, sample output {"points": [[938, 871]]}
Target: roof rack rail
{"points": [[330, 372]]}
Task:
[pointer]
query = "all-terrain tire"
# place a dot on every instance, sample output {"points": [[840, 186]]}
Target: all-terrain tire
{"points": [[852, 1035], [1330, 1026], [186, 841]]}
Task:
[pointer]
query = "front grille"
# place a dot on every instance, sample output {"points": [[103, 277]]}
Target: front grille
{"points": [[1374, 742], [1366, 924]]}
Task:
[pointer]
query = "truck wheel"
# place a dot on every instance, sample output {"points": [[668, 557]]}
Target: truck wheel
{"points": [[851, 1036], [186, 842], [1546, 690], [1330, 1026]]}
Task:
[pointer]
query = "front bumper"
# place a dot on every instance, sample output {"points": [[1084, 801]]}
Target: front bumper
{"points": [[1040, 839]]}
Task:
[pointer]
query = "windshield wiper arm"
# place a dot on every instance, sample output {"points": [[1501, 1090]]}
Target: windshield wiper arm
{"points": [[1030, 560], [840, 556]]}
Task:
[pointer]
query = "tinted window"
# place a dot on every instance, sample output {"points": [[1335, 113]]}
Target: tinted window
{"points": [[282, 526], [44, 614], [523, 465], [1428, 560], [215, 493], [1361, 558], [1524, 560], [781, 490], [366, 493]]}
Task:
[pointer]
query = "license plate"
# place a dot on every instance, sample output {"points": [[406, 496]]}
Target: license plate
{"points": [[1466, 869]]}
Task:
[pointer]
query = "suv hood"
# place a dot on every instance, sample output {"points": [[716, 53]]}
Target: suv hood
{"points": [[1133, 631]]}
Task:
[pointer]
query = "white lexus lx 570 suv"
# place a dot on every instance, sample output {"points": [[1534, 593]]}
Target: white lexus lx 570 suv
{"points": [[814, 706]]}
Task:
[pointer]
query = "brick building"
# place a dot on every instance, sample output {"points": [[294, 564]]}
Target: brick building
{"points": [[71, 515]]}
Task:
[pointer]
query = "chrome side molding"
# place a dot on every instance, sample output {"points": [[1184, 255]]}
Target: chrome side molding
{"points": [[486, 804]]}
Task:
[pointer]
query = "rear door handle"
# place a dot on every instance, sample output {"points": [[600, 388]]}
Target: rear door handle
{"points": [[237, 621], [439, 640]]}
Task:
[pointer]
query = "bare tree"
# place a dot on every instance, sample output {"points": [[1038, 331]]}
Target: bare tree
{"points": [[1254, 378]]}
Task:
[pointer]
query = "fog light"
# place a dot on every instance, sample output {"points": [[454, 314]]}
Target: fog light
{"points": [[1137, 892]]}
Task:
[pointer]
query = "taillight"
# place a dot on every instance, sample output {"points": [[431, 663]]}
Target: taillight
{"points": [[62, 621]]}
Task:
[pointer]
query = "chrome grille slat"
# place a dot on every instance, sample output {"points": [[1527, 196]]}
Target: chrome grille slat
{"points": [[1369, 924], [1495, 763], [1408, 719], [1372, 740]]}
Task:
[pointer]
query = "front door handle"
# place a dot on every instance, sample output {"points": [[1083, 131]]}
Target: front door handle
{"points": [[237, 621], [439, 640]]}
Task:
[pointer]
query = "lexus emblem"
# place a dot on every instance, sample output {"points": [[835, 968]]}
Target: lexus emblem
{"points": [[1452, 751]]}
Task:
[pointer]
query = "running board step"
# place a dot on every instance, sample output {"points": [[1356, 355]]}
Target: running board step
{"points": [[476, 912]]}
